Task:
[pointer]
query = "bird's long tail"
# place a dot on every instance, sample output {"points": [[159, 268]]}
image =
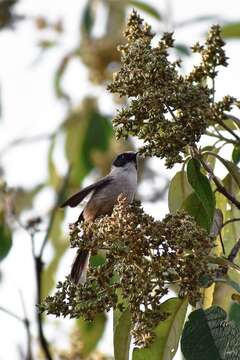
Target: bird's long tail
{"points": [[78, 273]]}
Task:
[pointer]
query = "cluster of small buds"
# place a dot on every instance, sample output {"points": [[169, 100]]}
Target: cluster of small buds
{"points": [[220, 108], [142, 256], [212, 56], [167, 110]]}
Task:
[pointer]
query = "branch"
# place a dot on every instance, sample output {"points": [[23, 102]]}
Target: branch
{"points": [[12, 314], [39, 265], [221, 137], [218, 184], [54, 210], [219, 121], [230, 221], [26, 140], [171, 112], [26, 324]]}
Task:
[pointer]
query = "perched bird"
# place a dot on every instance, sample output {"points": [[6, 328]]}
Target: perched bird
{"points": [[122, 179]]}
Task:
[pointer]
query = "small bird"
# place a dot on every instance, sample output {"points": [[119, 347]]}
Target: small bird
{"points": [[122, 179]]}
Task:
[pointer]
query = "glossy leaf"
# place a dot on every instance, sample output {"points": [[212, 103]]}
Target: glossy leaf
{"points": [[202, 188], [195, 208], [231, 30], [122, 336], [234, 119], [168, 332], [90, 333], [231, 231], [144, 6], [229, 122], [5, 239], [236, 154], [208, 335], [179, 190]]}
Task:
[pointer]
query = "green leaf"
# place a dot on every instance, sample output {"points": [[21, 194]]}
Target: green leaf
{"points": [[211, 160], [49, 273], [232, 168], [122, 337], [58, 77], [234, 313], [54, 178], [182, 49], [97, 260], [231, 30], [236, 154], [167, 332], [231, 231], [87, 131], [59, 246], [90, 333], [5, 239], [207, 335], [202, 188], [195, 20], [179, 190], [229, 122], [233, 284], [144, 6], [87, 18], [195, 208]]}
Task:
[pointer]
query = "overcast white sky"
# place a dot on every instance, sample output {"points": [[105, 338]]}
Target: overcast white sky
{"points": [[30, 107]]}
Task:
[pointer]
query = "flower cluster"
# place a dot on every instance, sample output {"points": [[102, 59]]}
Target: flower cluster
{"points": [[212, 56], [142, 257], [167, 110]]}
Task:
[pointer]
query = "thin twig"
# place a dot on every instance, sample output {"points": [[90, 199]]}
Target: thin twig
{"points": [[54, 210], [230, 221], [12, 314], [171, 112], [25, 141], [27, 326], [228, 129], [221, 137], [39, 265]]}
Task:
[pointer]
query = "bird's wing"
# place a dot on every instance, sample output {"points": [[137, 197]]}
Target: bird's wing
{"points": [[78, 197]]}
